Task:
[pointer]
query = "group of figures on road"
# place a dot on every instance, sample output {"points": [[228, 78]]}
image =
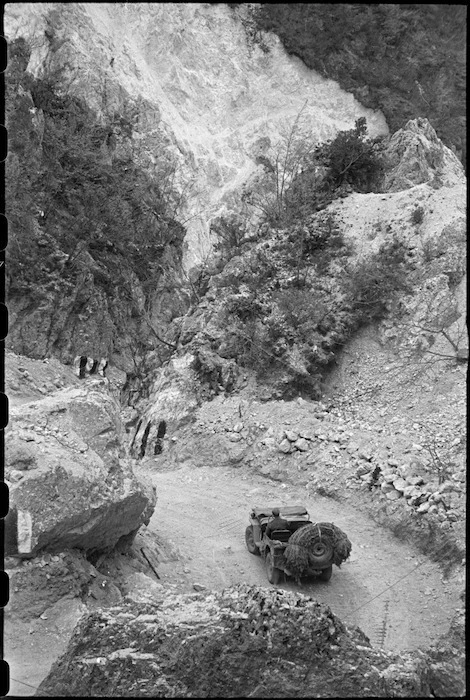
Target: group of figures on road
{"points": [[84, 366]]}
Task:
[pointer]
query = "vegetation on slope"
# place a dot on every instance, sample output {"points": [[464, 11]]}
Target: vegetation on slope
{"points": [[81, 212], [292, 292], [407, 60]]}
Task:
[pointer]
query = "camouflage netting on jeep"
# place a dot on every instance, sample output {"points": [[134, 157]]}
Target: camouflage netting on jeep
{"points": [[307, 543]]}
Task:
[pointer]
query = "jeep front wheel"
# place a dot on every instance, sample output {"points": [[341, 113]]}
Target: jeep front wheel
{"points": [[250, 540], [274, 574]]}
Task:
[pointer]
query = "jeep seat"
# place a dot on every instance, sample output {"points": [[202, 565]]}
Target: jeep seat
{"points": [[286, 512], [281, 535]]}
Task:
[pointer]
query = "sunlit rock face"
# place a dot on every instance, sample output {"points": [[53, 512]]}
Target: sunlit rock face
{"points": [[416, 156], [205, 94]]}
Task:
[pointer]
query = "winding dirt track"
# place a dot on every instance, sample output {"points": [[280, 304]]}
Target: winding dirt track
{"points": [[393, 593]]}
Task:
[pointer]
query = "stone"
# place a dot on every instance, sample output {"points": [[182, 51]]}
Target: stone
{"points": [[417, 499], [415, 480], [236, 453], [199, 587], [362, 470], [15, 475], [19, 454], [424, 507], [410, 491], [292, 435], [400, 484], [302, 444], [387, 488], [307, 434], [453, 515], [68, 500], [446, 487], [389, 478], [393, 495], [285, 446], [352, 447], [140, 588]]}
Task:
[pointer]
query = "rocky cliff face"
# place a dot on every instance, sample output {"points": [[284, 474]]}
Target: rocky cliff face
{"points": [[186, 104], [196, 80]]}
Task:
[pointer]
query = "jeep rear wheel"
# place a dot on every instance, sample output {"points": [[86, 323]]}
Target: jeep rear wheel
{"points": [[321, 554], [250, 540], [273, 574], [326, 573]]}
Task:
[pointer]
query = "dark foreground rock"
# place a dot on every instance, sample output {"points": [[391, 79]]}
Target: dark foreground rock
{"points": [[245, 641]]}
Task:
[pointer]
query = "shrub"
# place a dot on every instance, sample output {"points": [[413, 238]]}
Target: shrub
{"points": [[417, 216], [373, 281], [303, 177], [351, 158], [231, 233]]}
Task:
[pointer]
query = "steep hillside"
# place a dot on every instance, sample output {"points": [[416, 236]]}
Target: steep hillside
{"points": [[139, 142], [408, 60]]}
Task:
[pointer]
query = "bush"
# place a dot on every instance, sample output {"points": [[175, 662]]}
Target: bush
{"points": [[417, 216], [351, 158], [372, 282], [301, 178], [231, 233]]}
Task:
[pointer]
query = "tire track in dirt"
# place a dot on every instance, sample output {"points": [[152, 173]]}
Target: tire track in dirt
{"points": [[393, 593]]}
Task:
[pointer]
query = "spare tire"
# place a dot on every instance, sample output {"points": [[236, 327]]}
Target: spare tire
{"points": [[320, 554]]}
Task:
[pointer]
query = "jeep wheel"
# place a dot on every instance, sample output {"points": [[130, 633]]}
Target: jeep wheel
{"points": [[326, 573], [274, 574], [321, 554], [250, 540]]}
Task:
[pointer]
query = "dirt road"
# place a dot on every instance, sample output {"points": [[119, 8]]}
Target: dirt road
{"points": [[393, 593]]}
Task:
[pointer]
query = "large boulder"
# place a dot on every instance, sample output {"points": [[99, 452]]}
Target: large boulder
{"points": [[70, 482], [245, 641]]}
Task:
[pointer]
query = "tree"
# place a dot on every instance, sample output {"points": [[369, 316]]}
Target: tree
{"points": [[352, 158]]}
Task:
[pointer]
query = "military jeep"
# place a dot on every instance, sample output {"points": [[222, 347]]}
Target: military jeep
{"points": [[272, 547]]}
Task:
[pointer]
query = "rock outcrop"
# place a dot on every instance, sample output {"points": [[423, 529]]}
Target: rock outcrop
{"points": [[71, 484], [416, 156]]}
